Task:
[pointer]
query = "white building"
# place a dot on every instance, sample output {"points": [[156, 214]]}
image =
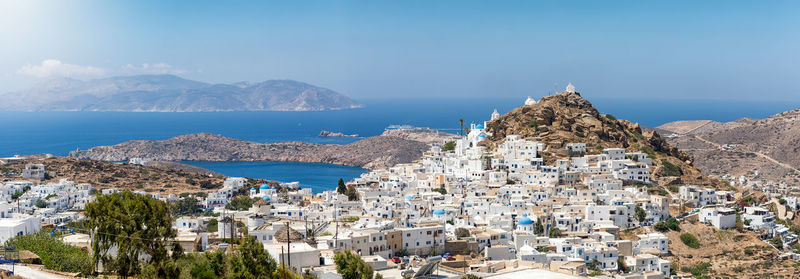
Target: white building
{"points": [[18, 225], [719, 217]]}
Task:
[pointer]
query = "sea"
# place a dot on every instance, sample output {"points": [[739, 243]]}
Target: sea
{"points": [[58, 133]]}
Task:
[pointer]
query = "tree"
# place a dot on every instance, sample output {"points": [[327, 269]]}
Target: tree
{"points": [[442, 191], [594, 264], [41, 204], [134, 225], [212, 225], [252, 261], [777, 242], [555, 233], [341, 188], [185, 206], [461, 121], [241, 203], [449, 146], [351, 266], [669, 224], [538, 228], [640, 214]]}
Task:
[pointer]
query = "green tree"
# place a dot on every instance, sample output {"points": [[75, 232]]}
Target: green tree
{"points": [[538, 228], [241, 203], [555, 233], [640, 214], [212, 225], [185, 206], [669, 224], [449, 146], [134, 225], [341, 188], [41, 204], [351, 266], [252, 261], [461, 121]]}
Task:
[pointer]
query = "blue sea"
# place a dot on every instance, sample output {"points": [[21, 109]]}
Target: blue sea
{"points": [[60, 132]]}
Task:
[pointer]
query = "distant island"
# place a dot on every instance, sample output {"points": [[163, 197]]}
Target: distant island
{"points": [[329, 134], [381, 151], [169, 93]]}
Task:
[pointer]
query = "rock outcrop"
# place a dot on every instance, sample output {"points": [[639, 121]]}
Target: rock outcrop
{"points": [[372, 152]]}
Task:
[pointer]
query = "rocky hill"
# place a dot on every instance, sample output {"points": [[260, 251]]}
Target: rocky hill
{"points": [[770, 146], [156, 178], [168, 93], [567, 117], [372, 152]]}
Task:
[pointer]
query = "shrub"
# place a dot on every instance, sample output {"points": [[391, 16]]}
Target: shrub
{"points": [[698, 270], [462, 232], [669, 169], [690, 240], [449, 146], [55, 255]]}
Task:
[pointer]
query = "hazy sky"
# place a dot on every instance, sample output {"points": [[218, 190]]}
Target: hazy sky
{"points": [[374, 49]]}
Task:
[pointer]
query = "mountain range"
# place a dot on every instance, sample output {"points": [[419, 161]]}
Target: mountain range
{"points": [[169, 93]]}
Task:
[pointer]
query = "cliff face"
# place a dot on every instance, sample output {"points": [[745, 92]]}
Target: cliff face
{"points": [[372, 152], [569, 118]]}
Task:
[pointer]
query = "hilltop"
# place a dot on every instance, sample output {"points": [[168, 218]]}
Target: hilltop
{"points": [[371, 152], [740, 147], [567, 117], [168, 93]]}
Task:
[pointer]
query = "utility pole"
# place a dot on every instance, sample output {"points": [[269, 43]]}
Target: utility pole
{"points": [[233, 226], [283, 266], [288, 245]]}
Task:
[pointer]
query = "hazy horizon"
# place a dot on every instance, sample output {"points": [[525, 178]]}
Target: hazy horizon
{"points": [[717, 50]]}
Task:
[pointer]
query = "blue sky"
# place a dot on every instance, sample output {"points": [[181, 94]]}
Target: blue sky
{"points": [[727, 50]]}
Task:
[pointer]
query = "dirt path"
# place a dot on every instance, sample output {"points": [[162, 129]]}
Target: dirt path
{"points": [[762, 155]]}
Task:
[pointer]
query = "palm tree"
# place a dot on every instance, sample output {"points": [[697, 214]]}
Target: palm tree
{"points": [[461, 132]]}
